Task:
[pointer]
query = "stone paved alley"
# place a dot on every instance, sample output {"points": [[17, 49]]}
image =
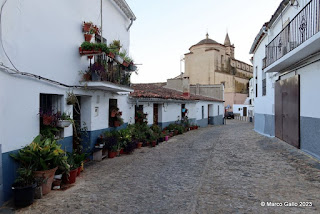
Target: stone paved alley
{"points": [[219, 169]]}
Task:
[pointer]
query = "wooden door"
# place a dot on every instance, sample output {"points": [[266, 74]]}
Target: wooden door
{"points": [[244, 111], [155, 114], [287, 110]]}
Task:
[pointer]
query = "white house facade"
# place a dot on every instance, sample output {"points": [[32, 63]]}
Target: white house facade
{"points": [[41, 67], [286, 75], [164, 106]]}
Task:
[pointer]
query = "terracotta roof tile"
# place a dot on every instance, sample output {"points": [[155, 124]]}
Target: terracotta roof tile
{"points": [[156, 90]]}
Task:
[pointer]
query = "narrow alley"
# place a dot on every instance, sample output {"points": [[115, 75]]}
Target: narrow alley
{"points": [[219, 169]]}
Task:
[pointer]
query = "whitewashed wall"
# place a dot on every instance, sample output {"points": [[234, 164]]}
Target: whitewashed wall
{"points": [[171, 112], [288, 13], [35, 37], [309, 90], [263, 104], [236, 108], [42, 38]]}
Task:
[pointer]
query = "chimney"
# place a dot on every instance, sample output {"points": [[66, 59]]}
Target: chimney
{"points": [[186, 87], [197, 89]]}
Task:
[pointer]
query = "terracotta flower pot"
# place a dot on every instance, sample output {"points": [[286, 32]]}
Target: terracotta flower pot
{"points": [[47, 176], [121, 152], [86, 27], [87, 37], [112, 154], [72, 176], [139, 145], [153, 143], [111, 55], [126, 64], [116, 123]]}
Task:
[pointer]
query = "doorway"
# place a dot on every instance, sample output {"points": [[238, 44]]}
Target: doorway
{"points": [[287, 110], [113, 106], [244, 111], [155, 113]]}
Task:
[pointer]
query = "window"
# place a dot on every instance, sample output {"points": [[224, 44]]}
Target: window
{"points": [[219, 110], [113, 110], [50, 107], [264, 85], [138, 109], [183, 111], [202, 112]]}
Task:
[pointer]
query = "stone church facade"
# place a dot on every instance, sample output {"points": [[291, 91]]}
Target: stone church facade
{"points": [[212, 63]]}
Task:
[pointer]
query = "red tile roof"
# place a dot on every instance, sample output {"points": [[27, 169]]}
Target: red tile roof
{"points": [[156, 90]]}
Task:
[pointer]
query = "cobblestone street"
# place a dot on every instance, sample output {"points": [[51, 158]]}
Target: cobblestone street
{"points": [[219, 169]]}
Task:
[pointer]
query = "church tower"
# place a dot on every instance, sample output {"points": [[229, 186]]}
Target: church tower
{"points": [[229, 47]]}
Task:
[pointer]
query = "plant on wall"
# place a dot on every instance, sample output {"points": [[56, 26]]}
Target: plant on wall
{"points": [[115, 46], [116, 119]]}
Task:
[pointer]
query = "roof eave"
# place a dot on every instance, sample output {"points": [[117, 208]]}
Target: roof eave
{"points": [[122, 4]]}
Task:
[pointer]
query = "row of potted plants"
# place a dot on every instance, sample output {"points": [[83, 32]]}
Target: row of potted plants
{"points": [[124, 141], [112, 51], [89, 30], [42, 164]]}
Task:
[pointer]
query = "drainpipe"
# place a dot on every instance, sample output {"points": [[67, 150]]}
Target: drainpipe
{"points": [[130, 24], [101, 21]]}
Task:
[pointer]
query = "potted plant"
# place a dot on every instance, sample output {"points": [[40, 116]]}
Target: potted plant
{"points": [[64, 120], [78, 160], [113, 151], [44, 155], [72, 176], [23, 188], [86, 26], [153, 138], [140, 136], [125, 137], [89, 34], [111, 141], [116, 118]]}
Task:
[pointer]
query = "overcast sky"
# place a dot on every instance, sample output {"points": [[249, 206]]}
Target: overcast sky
{"points": [[165, 30]]}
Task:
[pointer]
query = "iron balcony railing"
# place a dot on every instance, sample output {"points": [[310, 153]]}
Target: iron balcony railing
{"points": [[302, 27]]}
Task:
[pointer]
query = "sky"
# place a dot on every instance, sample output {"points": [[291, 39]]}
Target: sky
{"points": [[165, 30]]}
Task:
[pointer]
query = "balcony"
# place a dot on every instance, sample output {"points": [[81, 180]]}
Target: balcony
{"points": [[107, 75], [299, 39]]}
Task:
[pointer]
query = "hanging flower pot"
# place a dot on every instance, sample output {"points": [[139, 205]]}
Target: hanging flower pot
{"points": [[88, 37], [111, 55], [132, 67], [86, 26], [126, 64], [63, 123], [119, 59]]}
